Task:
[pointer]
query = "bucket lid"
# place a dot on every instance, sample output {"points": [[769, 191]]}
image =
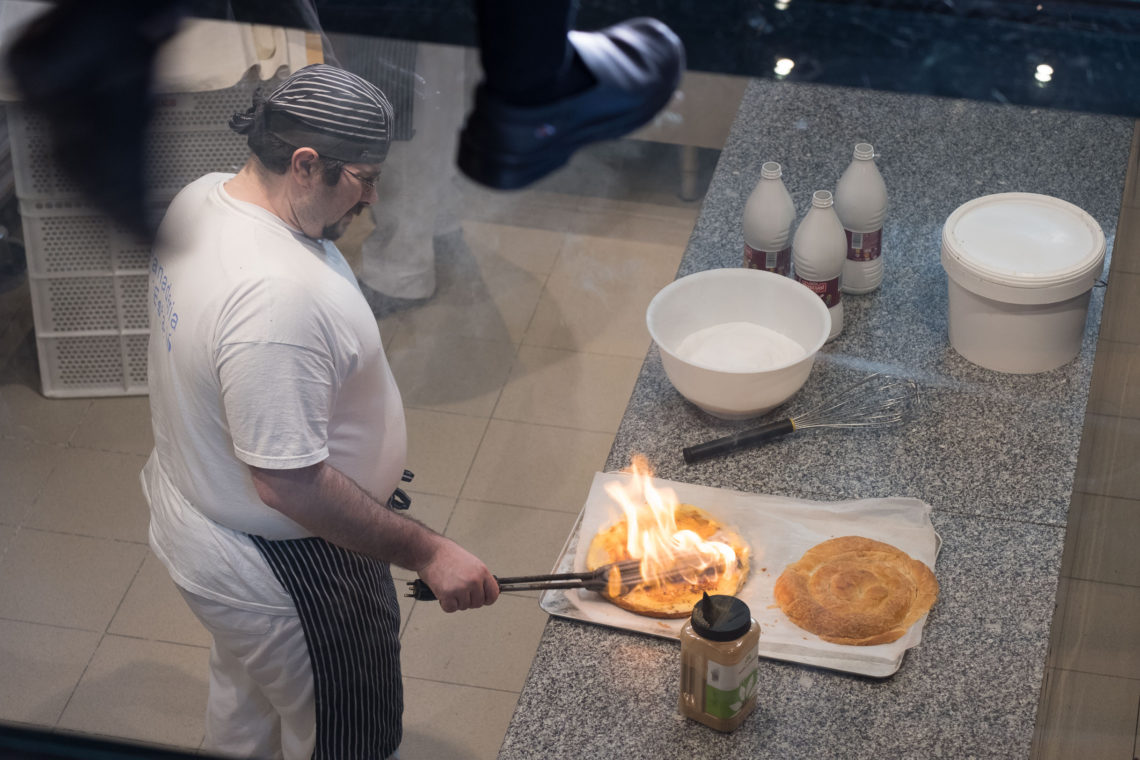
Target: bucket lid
{"points": [[1022, 248]]}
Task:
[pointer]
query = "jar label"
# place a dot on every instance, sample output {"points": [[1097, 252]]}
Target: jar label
{"points": [[864, 246], [779, 262], [729, 687], [828, 290]]}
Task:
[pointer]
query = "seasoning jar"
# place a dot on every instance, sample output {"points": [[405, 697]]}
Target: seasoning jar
{"points": [[720, 650]]}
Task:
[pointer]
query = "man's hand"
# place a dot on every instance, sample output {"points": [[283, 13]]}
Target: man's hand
{"points": [[458, 578], [330, 505]]}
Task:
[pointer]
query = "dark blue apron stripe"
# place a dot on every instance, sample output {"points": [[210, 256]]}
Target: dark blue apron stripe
{"points": [[351, 618]]}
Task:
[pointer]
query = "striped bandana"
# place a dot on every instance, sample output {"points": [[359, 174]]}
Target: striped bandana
{"points": [[330, 110]]}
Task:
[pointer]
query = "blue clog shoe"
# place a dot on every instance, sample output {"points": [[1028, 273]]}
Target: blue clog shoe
{"points": [[637, 65]]}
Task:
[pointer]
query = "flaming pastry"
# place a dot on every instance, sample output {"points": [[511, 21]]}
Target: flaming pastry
{"points": [[683, 551]]}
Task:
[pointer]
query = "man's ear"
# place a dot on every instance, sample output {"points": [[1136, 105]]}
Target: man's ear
{"points": [[305, 165]]}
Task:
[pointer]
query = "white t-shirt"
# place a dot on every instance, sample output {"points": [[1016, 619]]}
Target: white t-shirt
{"points": [[263, 352]]}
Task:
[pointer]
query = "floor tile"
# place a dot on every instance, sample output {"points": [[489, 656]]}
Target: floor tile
{"points": [[450, 373], [117, 424], [1056, 626], [530, 208], [443, 720], [407, 604], [349, 244], [1118, 322], [441, 448], [536, 465], [142, 690], [1086, 716], [432, 510], [1105, 534], [491, 302], [389, 329], [596, 297], [528, 248], [568, 389], [1132, 180], [1115, 387], [7, 534], [1109, 460], [153, 609], [491, 647], [701, 112], [93, 493], [71, 581], [661, 206], [511, 540], [615, 187], [1099, 628], [1136, 740], [25, 467], [16, 321], [645, 223], [1126, 245], [42, 665], [28, 415]]}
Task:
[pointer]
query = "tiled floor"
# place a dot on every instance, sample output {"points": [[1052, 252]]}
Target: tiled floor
{"points": [[515, 375], [1090, 705]]}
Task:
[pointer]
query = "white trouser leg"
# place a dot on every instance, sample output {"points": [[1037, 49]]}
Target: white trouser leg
{"points": [[261, 683], [415, 194]]}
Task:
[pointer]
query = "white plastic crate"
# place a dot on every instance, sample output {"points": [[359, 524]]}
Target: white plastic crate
{"points": [[93, 365], [172, 159], [206, 111], [89, 282], [86, 304], [88, 275], [71, 237]]}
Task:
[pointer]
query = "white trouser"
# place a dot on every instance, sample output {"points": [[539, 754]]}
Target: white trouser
{"points": [[261, 684], [417, 196]]}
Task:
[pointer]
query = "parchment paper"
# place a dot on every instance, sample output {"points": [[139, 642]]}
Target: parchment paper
{"points": [[779, 530]]}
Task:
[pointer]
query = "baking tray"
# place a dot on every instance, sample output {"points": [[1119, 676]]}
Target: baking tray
{"points": [[780, 530]]}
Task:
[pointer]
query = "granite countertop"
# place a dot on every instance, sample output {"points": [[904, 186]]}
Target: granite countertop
{"points": [[993, 454]]}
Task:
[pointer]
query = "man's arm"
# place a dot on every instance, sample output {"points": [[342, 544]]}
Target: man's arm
{"points": [[331, 505]]}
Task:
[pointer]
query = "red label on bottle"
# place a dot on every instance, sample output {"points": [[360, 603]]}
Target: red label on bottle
{"points": [[828, 290], [779, 262], [864, 246]]}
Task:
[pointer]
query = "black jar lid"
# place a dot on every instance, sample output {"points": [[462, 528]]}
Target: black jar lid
{"points": [[721, 618]]}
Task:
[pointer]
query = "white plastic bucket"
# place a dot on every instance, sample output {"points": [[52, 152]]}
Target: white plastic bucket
{"points": [[1021, 267]]}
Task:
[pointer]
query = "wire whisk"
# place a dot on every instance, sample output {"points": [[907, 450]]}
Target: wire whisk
{"points": [[878, 400]]}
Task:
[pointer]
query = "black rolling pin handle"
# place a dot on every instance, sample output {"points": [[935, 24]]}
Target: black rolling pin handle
{"points": [[737, 441], [421, 592]]}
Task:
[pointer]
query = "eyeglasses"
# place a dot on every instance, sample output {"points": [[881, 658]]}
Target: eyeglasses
{"points": [[369, 183]]}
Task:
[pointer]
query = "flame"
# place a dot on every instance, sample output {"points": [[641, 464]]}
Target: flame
{"points": [[667, 553]]}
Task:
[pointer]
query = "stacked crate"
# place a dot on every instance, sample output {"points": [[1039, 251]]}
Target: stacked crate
{"points": [[88, 275]]}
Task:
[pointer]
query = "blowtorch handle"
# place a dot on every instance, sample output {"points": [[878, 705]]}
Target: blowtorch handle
{"points": [[421, 592], [738, 441]]}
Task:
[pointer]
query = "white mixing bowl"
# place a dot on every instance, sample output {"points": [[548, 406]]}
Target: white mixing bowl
{"points": [[720, 296]]}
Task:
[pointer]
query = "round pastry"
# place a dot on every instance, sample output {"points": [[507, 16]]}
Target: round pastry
{"points": [[673, 598], [853, 590]]}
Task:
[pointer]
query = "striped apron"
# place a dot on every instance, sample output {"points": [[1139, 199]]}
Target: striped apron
{"points": [[348, 610]]}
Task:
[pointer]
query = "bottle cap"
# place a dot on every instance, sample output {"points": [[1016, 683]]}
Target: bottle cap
{"points": [[771, 170], [822, 198], [721, 618], [864, 151]]}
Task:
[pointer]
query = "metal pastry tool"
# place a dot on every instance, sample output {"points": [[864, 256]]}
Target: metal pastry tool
{"points": [[629, 573], [876, 401]]}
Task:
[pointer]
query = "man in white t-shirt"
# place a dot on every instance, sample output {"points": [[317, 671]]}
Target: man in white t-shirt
{"points": [[280, 438]]}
